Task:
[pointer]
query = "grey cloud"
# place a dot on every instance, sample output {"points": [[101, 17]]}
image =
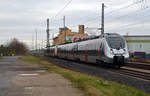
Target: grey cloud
{"points": [[19, 18]]}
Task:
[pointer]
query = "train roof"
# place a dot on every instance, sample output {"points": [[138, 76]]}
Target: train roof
{"points": [[91, 38], [111, 34]]}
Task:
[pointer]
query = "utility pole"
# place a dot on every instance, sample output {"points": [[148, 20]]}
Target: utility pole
{"points": [[52, 38], [36, 39], [32, 42], [47, 30], [102, 26], [42, 44], [64, 20]]}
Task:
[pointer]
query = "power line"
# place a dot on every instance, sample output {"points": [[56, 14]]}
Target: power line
{"points": [[127, 26], [135, 12], [144, 17], [59, 12], [89, 20], [127, 6]]}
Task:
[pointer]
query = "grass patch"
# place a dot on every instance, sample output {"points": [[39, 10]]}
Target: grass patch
{"points": [[0, 57], [89, 85]]}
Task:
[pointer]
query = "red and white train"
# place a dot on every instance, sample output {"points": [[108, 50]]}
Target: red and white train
{"points": [[109, 48]]}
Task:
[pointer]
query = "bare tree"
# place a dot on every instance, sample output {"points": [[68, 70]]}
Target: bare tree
{"points": [[16, 47]]}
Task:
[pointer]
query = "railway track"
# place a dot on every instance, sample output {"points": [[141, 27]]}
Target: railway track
{"points": [[134, 73], [145, 66]]}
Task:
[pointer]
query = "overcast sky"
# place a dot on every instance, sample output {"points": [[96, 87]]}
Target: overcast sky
{"points": [[20, 18]]}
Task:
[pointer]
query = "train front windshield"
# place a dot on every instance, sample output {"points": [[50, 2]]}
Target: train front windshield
{"points": [[116, 42]]}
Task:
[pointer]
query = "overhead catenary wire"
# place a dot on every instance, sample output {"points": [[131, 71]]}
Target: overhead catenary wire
{"points": [[128, 14], [127, 6], [138, 18], [127, 26], [131, 19], [130, 6], [124, 7], [59, 12], [93, 20], [64, 9]]}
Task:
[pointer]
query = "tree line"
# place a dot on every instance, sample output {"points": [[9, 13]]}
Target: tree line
{"points": [[14, 47]]}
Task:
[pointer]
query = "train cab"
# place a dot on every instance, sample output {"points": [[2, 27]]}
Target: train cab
{"points": [[116, 49]]}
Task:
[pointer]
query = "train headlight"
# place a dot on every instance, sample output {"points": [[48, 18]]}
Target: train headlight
{"points": [[111, 51], [124, 51]]}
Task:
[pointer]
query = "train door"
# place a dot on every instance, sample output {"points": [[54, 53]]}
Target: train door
{"points": [[55, 51], [102, 54], [100, 51], [74, 51], [86, 52], [67, 51]]}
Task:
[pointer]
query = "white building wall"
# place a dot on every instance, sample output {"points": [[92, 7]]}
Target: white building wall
{"points": [[138, 46]]}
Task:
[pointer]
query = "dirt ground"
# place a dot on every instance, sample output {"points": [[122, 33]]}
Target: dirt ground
{"points": [[22, 79]]}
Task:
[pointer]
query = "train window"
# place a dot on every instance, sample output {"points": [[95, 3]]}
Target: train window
{"points": [[92, 49], [76, 49], [116, 42], [102, 49], [81, 49]]}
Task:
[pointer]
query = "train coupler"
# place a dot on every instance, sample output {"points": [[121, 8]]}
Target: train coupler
{"points": [[118, 60]]}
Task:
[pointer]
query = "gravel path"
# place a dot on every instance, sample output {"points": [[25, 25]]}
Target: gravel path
{"points": [[21, 79]]}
